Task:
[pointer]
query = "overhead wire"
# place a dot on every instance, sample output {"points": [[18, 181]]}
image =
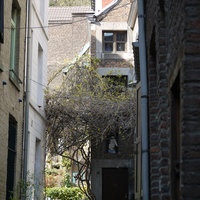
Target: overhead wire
{"points": [[69, 21], [62, 24]]}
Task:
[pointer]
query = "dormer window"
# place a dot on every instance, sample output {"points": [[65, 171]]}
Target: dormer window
{"points": [[114, 41]]}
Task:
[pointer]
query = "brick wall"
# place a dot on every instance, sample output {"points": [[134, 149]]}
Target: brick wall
{"points": [[112, 20], [65, 42], [119, 63], [173, 48], [10, 95], [191, 103], [119, 13], [59, 50], [80, 32], [125, 149]]}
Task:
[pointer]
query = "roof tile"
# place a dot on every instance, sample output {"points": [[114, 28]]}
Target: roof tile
{"points": [[65, 13]]}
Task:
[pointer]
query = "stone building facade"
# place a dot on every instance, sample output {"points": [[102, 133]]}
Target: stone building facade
{"points": [[69, 37], [38, 49], [173, 48], [68, 34], [110, 170], [12, 48], [72, 30]]}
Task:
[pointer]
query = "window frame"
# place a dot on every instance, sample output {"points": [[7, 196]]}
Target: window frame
{"points": [[2, 21], [114, 42], [13, 39], [14, 46], [11, 156]]}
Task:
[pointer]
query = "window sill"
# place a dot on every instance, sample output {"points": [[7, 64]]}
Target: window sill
{"points": [[115, 55], [15, 83], [15, 80], [1, 68]]}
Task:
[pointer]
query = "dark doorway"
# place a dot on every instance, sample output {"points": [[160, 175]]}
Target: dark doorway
{"points": [[175, 139], [12, 134], [114, 183]]}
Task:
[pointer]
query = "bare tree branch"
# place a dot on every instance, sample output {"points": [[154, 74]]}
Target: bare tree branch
{"points": [[82, 113]]}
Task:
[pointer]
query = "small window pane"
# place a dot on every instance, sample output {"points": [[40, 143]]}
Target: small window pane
{"points": [[120, 47], [120, 36], [108, 37], [108, 47]]}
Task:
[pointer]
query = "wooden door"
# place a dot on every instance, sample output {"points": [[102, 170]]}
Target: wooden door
{"points": [[115, 184]]}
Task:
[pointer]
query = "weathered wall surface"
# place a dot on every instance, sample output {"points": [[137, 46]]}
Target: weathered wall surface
{"points": [[67, 36], [112, 63], [10, 95], [173, 60]]}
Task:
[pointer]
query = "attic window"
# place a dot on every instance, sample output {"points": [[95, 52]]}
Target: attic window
{"points": [[114, 41]]}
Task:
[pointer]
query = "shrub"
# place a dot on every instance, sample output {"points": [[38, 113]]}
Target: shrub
{"points": [[64, 193]]}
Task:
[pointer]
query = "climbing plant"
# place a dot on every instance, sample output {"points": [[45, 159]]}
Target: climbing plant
{"points": [[82, 112], [69, 3]]}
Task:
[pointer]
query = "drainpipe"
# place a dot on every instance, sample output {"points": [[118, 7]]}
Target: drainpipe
{"points": [[144, 101], [27, 94]]}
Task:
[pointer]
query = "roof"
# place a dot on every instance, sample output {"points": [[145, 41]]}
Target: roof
{"points": [[65, 13]]}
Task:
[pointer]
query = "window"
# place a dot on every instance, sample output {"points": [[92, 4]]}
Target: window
{"points": [[40, 96], [14, 48], [38, 170], [11, 157], [1, 21], [114, 41]]}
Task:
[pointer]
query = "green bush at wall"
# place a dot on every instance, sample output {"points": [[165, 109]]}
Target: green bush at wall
{"points": [[72, 193]]}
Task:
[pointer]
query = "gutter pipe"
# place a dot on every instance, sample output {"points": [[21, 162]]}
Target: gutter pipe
{"points": [[27, 95], [144, 101]]}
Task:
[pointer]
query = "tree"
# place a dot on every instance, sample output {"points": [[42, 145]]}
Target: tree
{"points": [[83, 112]]}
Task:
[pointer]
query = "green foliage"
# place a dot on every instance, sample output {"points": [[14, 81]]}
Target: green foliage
{"points": [[66, 162], [27, 189], [69, 2], [52, 172], [83, 111], [64, 193], [54, 177], [67, 181]]}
